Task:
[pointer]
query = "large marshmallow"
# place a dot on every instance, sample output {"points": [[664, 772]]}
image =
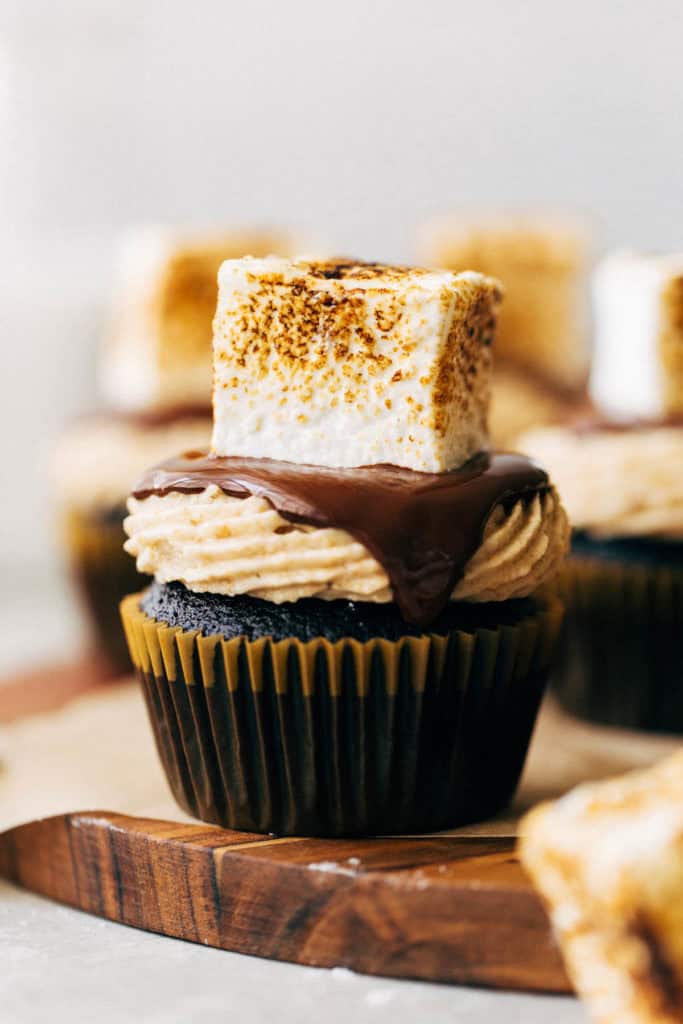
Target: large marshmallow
{"points": [[638, 364], [542, 262], [349, 364], [608, 861], [158, 352]]}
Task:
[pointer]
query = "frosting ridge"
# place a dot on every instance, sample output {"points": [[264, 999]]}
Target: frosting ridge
{"points": [[617, 481], [367, 531]]}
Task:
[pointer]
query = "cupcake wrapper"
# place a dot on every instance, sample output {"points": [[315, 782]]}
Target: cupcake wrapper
{"points": [[343, 738], [103, 574], [621, 653]]}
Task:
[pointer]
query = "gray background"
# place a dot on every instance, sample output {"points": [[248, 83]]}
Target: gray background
{"points": [[351, 121]]}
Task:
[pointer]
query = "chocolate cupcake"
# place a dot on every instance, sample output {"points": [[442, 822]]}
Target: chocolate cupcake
{"points": [[97, 461], [620, 476], [542, 343], [155, 376], [343, 636]]}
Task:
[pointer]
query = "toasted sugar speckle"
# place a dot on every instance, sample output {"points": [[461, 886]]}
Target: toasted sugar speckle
{"points": [[386, 341]]}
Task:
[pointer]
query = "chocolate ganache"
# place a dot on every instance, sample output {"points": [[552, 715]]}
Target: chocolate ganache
{"points": [[421, 527]]}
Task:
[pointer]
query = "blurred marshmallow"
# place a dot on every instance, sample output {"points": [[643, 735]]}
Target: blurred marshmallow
{"points": [[158, 352], [638, 363], [542, 262]]}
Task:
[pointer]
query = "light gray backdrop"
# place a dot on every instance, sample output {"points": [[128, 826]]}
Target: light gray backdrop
{"points": [[352, 120]]}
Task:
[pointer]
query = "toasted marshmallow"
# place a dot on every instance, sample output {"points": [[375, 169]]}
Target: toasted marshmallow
{"points": [[158, 352], [638, 364], [542, 263], [608, 860], [350, 364]]}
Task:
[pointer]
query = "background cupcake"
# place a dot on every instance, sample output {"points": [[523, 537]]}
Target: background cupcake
{"points": [[542, 345], [155, 378], [621, 478], [341, 637]]}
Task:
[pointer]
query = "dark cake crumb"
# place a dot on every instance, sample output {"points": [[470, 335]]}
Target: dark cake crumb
{"points": [[251, 617]]}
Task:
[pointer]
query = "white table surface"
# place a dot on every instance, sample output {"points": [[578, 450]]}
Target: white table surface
{"points": [[58, 964]]}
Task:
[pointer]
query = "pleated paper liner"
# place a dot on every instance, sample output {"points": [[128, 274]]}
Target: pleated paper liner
{"points": [[620, 659], [345, 738], [103, 574]]}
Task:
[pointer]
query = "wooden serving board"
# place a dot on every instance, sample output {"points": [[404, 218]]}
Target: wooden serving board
{"points": [[451, 908], [441, 908]]}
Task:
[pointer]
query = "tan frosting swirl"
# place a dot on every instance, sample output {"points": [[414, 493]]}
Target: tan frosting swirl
{"points": [[616, 483], [215, 543]]}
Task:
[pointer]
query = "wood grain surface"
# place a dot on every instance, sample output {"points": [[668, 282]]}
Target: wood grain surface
{"points": [[447, 909]]}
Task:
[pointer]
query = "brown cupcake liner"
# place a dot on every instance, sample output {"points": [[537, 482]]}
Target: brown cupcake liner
{"points": [[103, 574], [344, 738], [620, 658]]}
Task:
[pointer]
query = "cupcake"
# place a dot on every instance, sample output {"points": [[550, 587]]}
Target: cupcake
{"points": [[620, 476], [343, 635], [155, 377], [542, 344], [97, 461]]}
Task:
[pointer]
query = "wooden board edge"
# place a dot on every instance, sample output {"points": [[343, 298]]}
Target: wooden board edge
{"points": [[245, 893]]}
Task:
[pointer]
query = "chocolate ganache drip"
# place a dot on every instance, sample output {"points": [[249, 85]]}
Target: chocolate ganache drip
{"points": [[421, 527]]}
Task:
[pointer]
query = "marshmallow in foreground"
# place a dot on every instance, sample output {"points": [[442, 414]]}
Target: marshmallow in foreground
{"points": [[638, 365], [158, 353], [608, 860], [350, 364]]}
